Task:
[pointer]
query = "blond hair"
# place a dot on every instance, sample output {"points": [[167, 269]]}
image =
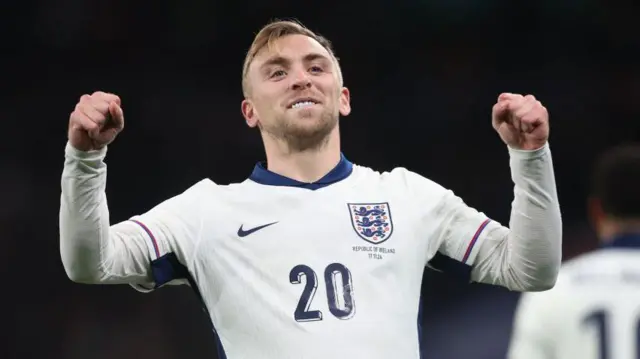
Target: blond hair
{"points": [[270, 33]]}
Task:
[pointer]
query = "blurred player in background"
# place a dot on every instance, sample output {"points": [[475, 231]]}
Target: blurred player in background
{"points": [[594, 310], [311, 256]]}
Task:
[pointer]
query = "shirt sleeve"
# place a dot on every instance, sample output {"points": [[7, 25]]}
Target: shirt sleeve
{"points": [[524, 256], [147, 251]]}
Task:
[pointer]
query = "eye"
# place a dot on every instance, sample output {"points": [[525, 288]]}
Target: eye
{"points": [[316, 69], [277, 73]]}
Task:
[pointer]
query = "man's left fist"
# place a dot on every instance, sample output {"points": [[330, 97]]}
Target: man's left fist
{"points": [[521, 121]]}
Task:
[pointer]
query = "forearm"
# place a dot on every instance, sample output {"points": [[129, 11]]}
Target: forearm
{"points": [[91, 251], [527, 256]]}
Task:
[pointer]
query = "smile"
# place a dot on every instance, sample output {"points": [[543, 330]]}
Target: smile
{"points": [[302, 104]]}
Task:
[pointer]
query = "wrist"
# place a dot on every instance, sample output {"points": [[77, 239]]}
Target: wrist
{"points": [[85, 155], [528, 153]]}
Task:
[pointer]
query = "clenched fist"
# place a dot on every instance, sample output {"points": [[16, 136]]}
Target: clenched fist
{"points": [[521, 121], [96, 121]]}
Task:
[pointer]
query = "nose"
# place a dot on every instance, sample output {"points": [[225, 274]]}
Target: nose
{"points": [[301, 81]]}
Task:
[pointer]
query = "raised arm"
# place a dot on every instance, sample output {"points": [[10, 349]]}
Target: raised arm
{"points": [[526, 255], [93, 250]]}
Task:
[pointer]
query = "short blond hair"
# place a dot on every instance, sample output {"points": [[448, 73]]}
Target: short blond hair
{"points": [[270, 33]]}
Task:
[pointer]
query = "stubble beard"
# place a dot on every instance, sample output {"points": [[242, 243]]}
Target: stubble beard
{"points": [[302, 137]]}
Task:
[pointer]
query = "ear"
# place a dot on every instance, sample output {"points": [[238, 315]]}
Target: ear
{"points": [[345, 102], [595, 212], [249, 113]]}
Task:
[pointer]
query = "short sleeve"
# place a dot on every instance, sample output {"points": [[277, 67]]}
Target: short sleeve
{"points": [[172, 229]]}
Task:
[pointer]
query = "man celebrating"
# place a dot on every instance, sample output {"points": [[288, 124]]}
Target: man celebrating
{"points": [[311, 256]]}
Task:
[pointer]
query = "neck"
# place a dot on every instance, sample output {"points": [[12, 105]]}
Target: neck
{"points": [[305, 165], [612, 228]]}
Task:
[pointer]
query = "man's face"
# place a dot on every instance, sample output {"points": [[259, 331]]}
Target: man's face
{"points": [[294, 91]]}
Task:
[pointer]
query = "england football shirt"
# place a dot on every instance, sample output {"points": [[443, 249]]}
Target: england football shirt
{"points": [[331, 269], [593, 312]]}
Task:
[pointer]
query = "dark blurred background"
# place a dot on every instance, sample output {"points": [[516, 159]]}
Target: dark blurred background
{"points": [[423, 77]]}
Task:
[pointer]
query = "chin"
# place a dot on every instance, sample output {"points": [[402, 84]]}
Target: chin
{"points": [[307, 128], [310, 113], [311, 127]]}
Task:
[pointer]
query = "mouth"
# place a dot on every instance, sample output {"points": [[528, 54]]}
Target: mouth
{"points": [[303, 102]]}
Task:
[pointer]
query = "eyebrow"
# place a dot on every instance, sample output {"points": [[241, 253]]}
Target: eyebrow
{"points": [[282, 61]]}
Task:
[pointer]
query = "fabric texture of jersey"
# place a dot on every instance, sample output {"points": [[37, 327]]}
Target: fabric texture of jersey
{"points": [[593, 312], [334, 262], [331, 269]]}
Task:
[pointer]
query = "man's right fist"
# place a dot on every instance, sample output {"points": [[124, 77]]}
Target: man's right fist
{"points": [[96, 121]]}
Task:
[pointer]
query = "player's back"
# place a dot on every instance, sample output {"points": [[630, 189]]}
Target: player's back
{"points": [[593, 312]]}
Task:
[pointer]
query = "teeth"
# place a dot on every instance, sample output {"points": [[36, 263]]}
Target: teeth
{"points": [[302, 104]]}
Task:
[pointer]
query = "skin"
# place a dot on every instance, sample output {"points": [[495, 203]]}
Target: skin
{"points": [[606, 226], [521, 121], [301, 143], [95, 122]]}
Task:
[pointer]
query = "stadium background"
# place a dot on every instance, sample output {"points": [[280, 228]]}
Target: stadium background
{"points": [[423, 76]]}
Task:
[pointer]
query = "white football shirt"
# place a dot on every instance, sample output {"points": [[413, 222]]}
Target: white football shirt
{"points": [[331, 269], [331, 272], [593, 312]]}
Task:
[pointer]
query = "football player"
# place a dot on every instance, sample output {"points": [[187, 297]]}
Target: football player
{"points": [[312, 256]]}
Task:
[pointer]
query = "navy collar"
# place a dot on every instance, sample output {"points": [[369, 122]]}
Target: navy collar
{"points": [[262, 175], [628, 240]]}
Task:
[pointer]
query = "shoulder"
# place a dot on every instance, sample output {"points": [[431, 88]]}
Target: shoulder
{"points": [[611, 265], [400, 178], [207, 187], [204, 192]]}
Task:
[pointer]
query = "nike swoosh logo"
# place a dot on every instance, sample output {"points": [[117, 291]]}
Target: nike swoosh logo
{"points": [[243, 233]]}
